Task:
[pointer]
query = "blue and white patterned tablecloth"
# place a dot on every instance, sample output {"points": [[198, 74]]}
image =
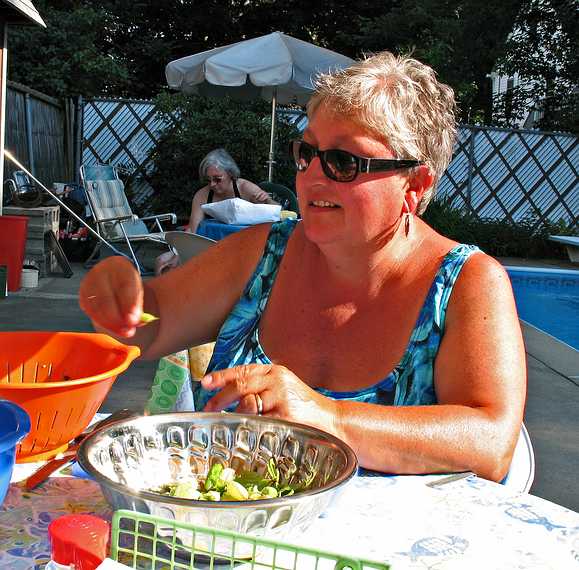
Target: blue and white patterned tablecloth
{"points": [[467, 524]]}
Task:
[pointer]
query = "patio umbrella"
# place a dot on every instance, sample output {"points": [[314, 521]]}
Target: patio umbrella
{"points": [[11, 12], [276, 67]]}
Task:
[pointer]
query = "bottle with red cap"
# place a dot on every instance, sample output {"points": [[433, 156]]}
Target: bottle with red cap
{"points": [[78, 542]]}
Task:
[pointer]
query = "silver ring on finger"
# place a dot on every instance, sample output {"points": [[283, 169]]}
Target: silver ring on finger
{"points": [[259, 403]]}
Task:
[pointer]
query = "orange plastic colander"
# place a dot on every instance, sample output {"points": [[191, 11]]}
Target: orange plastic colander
{"points": [[60, 379]]}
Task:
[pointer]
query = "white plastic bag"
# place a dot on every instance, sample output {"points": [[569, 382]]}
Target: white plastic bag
{"points": [[239, 211]]}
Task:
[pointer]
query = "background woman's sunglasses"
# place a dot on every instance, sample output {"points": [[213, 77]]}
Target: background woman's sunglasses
{"points": [[341, 165]]}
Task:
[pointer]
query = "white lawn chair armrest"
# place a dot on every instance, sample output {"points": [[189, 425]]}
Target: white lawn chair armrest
{"points": [[117, 219], [161, 217]]}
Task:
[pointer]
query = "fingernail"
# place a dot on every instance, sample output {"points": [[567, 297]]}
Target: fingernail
{"points": [[207, 380], [135, 316]]}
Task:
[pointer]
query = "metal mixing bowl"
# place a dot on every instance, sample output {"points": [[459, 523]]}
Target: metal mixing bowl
{"points": [[130, 457]]}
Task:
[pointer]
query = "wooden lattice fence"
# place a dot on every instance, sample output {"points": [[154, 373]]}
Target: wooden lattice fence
{"points": [[514, 174], [122, 132], [495, 173]]}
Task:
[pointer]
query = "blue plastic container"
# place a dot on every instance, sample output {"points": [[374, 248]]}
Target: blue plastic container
{"points": [[14, 425]]}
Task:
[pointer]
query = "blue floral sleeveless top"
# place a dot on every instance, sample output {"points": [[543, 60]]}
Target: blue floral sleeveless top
{"points": [[411, 383]]}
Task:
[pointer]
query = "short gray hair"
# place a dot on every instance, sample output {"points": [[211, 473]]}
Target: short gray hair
{"points": [[399, 100], [219, 158]]}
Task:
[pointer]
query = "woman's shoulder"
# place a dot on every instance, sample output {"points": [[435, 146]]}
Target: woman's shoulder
{"points": [[481, 267], [252, 240], [482, 282], [246, 185], [475, 272], [201, 194]]}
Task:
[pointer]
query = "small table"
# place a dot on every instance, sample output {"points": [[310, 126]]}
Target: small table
{"points": [[217, 230]]}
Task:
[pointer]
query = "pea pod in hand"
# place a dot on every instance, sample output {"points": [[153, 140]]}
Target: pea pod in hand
{"points": [[147, 318]]}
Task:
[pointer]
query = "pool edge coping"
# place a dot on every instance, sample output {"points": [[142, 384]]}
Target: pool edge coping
{"points": [[556, 354], [547, 270]]}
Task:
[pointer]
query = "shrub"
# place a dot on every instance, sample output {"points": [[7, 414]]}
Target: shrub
{"points": [[197, 125], [525, 238]]}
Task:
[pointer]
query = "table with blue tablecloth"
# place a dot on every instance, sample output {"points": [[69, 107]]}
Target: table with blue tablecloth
{"points": [[217, 230]]}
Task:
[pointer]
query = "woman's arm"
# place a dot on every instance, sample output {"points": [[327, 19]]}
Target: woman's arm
{"points": [[479, 379], [480, 382], [197, 214], [192, 301], [253, 193]]}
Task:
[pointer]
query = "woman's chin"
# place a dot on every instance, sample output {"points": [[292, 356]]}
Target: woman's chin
{"points": [[321, 231]]}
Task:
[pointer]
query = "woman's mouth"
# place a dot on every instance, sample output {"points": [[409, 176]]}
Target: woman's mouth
{"points": [[323, 204]]}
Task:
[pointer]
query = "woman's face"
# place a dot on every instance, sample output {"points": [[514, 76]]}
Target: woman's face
{"points": [[218, 180], [357, 212]]}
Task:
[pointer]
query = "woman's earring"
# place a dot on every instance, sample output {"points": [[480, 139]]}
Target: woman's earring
{"points": [[407, 218], [407, 224]]}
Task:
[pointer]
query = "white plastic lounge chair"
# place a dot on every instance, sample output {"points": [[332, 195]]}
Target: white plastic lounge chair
{"points": [[187, 245], [522, 471]]}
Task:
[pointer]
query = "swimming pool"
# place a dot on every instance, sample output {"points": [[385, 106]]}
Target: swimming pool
{"points": [[549, 300]]}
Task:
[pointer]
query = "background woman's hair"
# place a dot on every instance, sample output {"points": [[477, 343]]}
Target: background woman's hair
{"points": [[219, 158], [399, 100]]}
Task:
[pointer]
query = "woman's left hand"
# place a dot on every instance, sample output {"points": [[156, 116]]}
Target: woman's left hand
{"points": [[277, 390]]}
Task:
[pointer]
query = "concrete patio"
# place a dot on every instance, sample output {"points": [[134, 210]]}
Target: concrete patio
{"points": [[552, 411]]}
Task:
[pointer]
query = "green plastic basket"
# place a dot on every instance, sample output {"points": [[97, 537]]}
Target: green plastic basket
{"points": [[147, 542]]}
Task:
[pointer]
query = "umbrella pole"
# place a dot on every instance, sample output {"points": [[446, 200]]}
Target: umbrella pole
{"points": [[271, 160]]}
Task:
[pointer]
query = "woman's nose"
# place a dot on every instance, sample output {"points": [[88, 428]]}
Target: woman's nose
{"points": [[314, 169]]}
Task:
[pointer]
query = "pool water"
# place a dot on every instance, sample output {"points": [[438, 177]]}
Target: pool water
{"points": [[549, 300]]}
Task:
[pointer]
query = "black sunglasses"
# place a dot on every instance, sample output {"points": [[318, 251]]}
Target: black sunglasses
{"points": [[341, 165]]}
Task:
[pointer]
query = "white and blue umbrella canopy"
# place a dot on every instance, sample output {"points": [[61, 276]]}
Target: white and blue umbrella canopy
{"points": [[275, 67], [20, 12], [256, 68]]}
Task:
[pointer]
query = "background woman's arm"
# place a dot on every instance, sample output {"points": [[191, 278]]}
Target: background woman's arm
{"points": [[253, 193], [197, 214]]}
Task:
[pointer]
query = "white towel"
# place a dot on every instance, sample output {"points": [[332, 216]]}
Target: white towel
{"points": [[239, 211]]}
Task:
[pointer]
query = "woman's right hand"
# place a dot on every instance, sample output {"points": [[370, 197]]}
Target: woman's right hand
{"points": [[111, 295]]}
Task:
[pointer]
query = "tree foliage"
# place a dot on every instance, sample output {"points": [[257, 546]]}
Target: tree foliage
{"points": [[542, 51], [196, 125], [460, 39], [74, 55], [121, 47]]}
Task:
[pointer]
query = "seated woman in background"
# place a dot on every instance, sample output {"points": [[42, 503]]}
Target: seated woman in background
{"points": [[223, 183], [360, 319], [222, 174]]}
